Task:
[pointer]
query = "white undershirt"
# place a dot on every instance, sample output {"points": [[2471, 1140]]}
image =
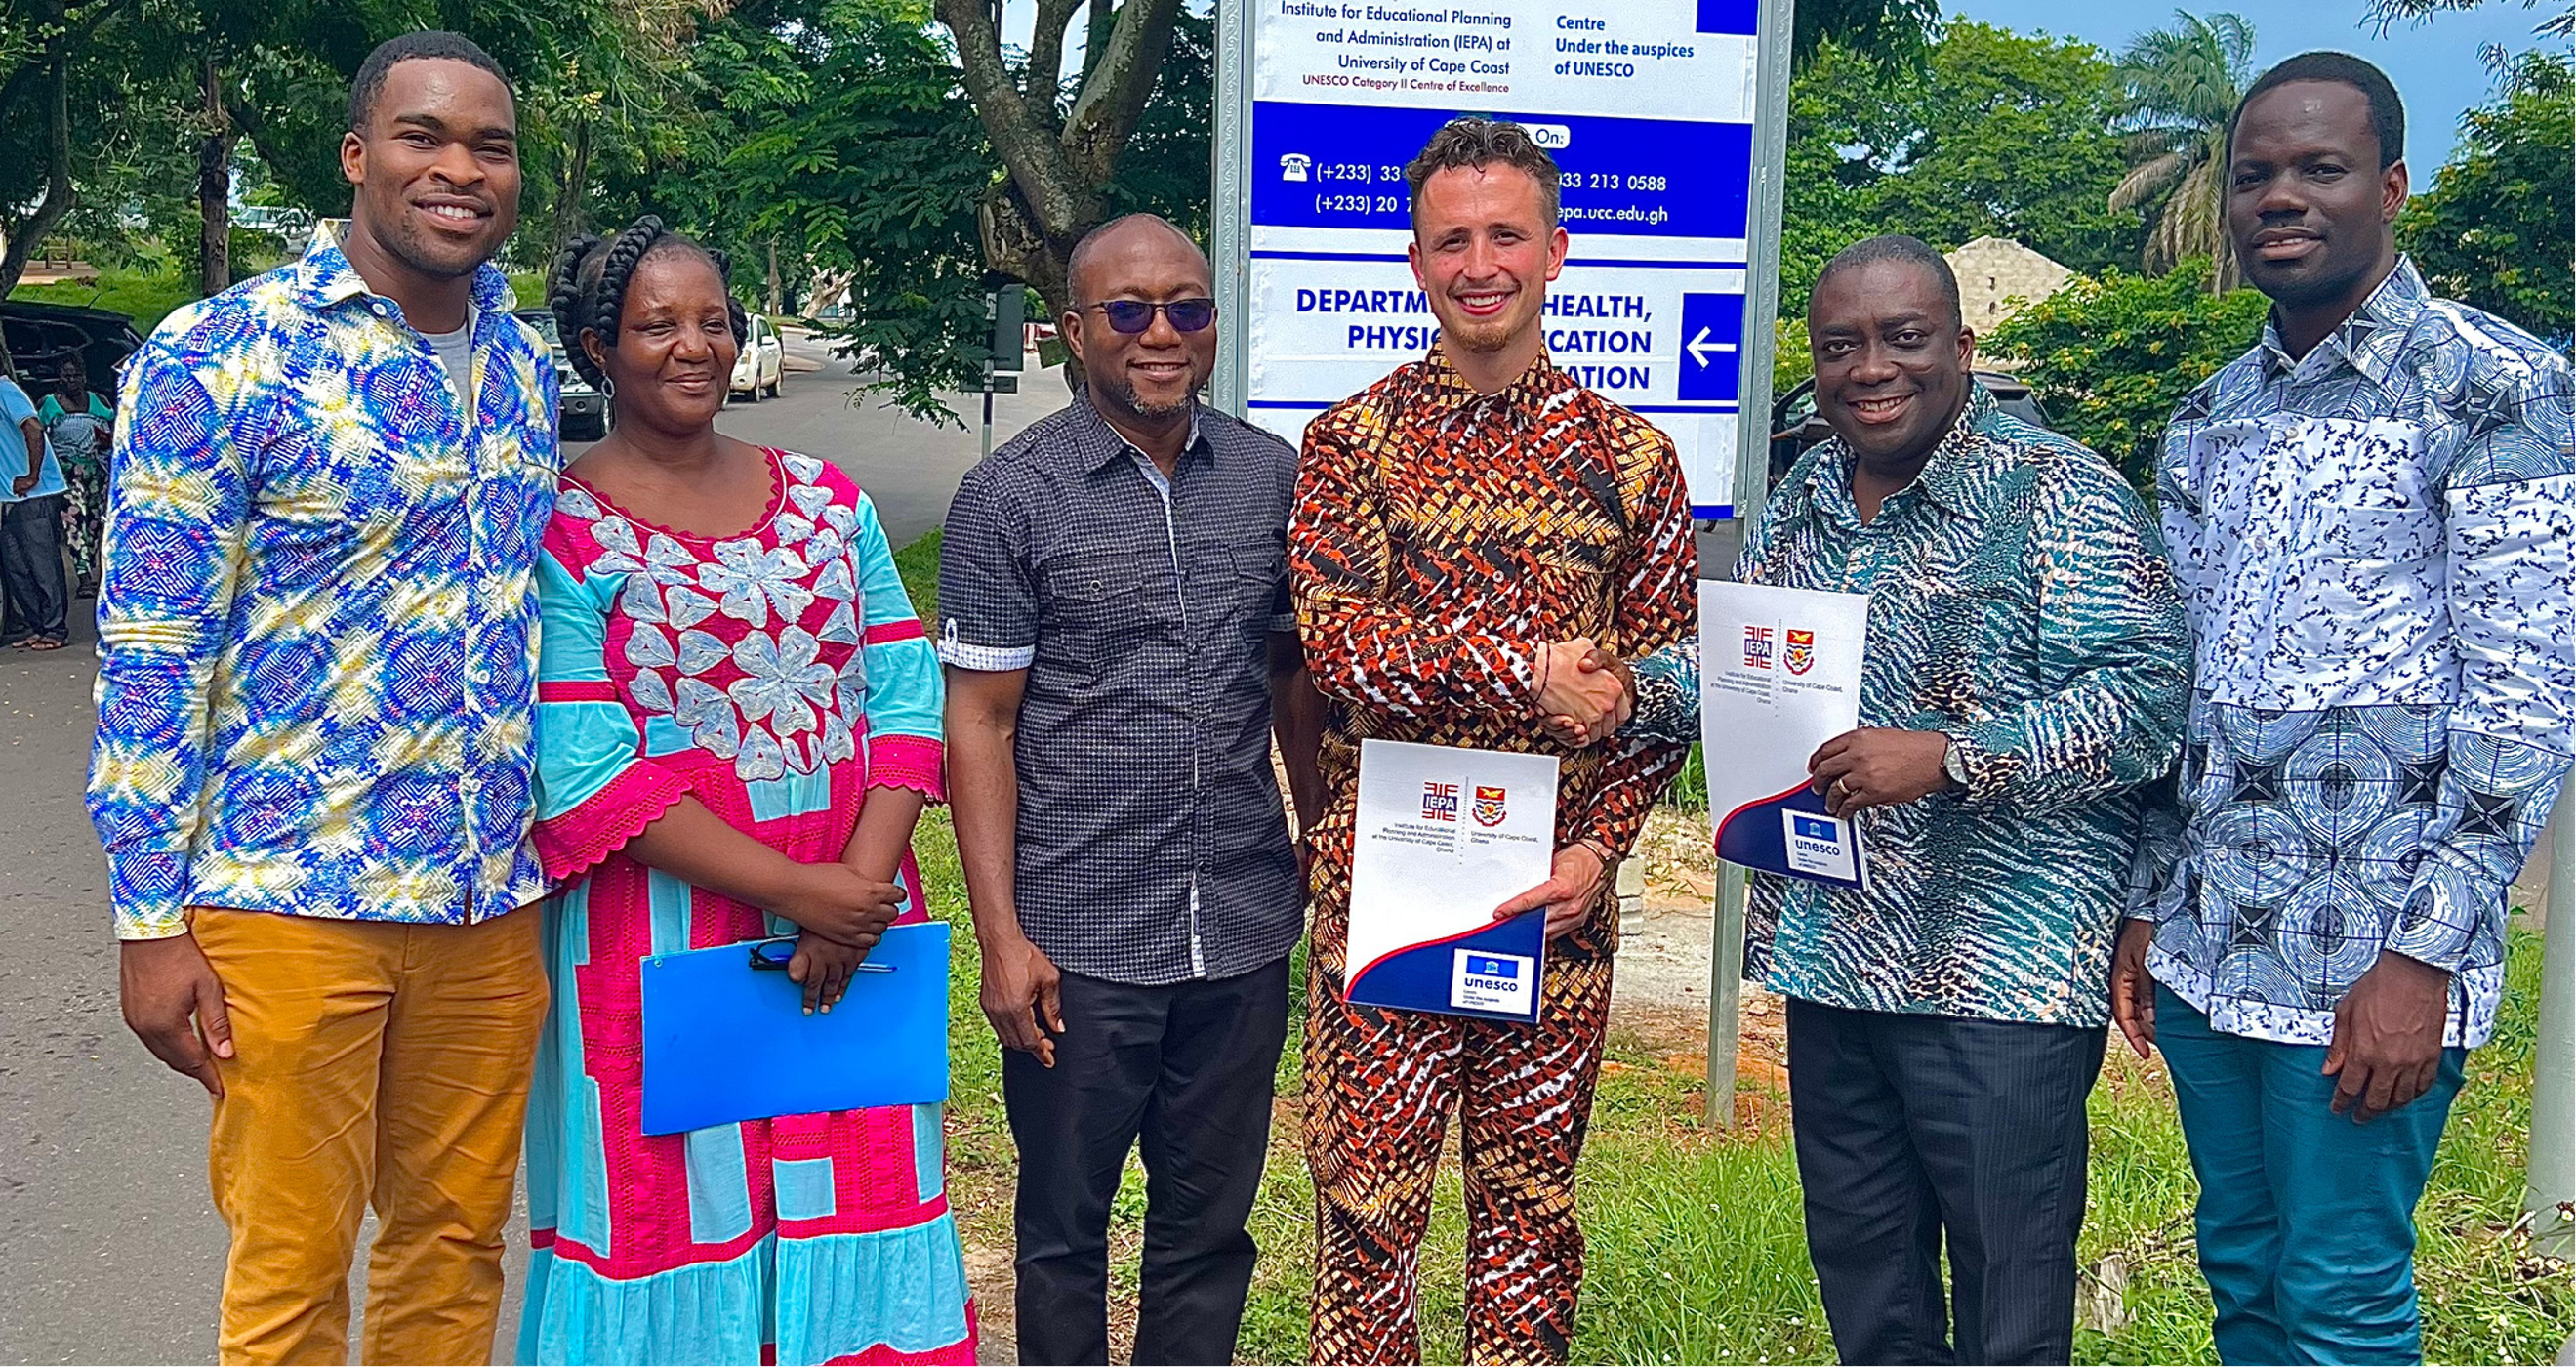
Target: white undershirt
{"points": [[456, 355]]}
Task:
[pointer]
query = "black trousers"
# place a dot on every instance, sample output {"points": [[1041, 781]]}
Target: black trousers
{"points": [[1911, 1127], [31, 565], [1186, 1071]]}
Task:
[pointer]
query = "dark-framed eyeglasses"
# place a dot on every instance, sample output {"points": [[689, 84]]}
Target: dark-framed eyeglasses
{"points": [[1131, 316]]}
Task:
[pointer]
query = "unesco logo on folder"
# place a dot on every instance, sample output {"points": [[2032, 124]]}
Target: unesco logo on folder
{"points": [[1820, 845], [1483, 981]]}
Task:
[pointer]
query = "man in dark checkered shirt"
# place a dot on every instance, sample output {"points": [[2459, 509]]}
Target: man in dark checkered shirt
{"points": [[1114, 616]]}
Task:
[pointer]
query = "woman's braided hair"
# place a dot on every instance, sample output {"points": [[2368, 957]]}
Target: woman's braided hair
{"points": [[587, 287]]}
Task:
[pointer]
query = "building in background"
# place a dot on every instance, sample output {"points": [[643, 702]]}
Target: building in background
{"points": [[1997, 276]]}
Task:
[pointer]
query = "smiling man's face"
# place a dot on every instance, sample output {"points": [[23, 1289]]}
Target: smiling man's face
{"points": [[1149, 375], [1891, 359], [2308, 204], [1484, 250], [437, 167]]}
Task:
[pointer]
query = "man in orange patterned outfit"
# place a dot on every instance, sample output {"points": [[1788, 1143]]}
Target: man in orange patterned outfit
{"points": [[1467, 529]]}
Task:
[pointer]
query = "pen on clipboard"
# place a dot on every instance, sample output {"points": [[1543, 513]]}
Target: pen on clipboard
{"points": [[775, 954]]}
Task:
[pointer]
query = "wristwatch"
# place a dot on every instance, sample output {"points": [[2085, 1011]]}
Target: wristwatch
{"points": [[1954, 763]]}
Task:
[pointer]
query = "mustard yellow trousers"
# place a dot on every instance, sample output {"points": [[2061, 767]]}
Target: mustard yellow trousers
{"points": [[374, 1062]]}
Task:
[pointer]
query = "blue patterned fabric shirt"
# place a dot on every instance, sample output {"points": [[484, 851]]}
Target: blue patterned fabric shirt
{"points": [[2018, 601], [318, 610], [2377, 546]]}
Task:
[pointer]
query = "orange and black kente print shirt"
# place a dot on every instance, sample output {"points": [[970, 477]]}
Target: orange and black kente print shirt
{"points": [[1441, 539]]}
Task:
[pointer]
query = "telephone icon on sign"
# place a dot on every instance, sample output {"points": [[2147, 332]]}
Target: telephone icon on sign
{"points": [[1296, 166]]}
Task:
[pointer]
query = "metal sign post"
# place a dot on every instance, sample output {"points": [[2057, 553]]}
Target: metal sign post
{"points": [[1231, 236], [1720, 542], [2550, 1169], [1006, 308]]}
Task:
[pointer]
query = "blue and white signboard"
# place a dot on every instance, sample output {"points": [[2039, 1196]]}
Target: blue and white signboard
{"points": [[1648, 107]]}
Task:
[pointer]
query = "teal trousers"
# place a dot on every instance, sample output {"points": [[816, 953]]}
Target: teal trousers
{"points": [[2306, 1217]]}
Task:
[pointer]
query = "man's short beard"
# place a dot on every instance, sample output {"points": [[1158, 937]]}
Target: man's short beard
{"points": [[2315, 292], [1125, 392], [1483, 341]]}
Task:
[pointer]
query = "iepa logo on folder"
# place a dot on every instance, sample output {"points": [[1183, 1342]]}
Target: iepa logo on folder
{"points": [[1819, 845], [1481, 981]]}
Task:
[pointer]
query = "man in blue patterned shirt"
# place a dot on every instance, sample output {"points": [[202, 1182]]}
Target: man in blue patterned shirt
{"points": [[312, 774], [2371, 516]]}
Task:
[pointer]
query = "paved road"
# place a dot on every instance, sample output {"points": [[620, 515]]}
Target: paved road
{"points": [[109, 1248]]}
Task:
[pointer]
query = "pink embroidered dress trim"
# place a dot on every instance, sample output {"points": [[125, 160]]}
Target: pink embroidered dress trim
{"points": [[908, 762], [580, 840]]}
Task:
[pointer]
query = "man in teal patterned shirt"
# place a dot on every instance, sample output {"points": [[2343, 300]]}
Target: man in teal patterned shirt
{"points": [[2027, 672]]}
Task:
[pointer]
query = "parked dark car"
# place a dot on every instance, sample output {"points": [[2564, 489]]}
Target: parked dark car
{"points": [[581, 414], [1795, 424], [41, 335]]}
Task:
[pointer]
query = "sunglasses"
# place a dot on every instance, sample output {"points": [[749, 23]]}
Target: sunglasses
{"points": [[1132, 316]]}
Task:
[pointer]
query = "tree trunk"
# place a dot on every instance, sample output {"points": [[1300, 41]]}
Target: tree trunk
{"points": [[776, 308], [1104, 18], [214, 186], [59, 194], [1030, 222], [572, 220], [1014, 246]]}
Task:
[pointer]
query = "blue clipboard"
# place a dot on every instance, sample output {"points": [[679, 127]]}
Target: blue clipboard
{"points": [[724, 1041]]}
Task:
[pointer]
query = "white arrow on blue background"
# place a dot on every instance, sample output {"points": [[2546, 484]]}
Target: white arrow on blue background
{"points": [[1701, 346]]}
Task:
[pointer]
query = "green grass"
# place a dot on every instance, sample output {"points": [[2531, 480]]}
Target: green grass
{"points": [[146, 296], [1695, 1247], [1696, 1251], [918, 564]]}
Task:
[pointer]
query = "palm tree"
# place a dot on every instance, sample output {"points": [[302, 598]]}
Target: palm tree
{"points": [[2183, 85]]}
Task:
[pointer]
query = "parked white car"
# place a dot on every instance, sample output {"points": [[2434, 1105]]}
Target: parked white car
{"points": [[763, 362]]}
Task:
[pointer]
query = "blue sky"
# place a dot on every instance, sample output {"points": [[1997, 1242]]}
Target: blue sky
{"points": [[2434, 64]]}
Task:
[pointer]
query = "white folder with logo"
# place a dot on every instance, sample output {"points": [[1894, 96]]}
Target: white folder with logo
{"points": [[1779, 676], [1445, 836]]}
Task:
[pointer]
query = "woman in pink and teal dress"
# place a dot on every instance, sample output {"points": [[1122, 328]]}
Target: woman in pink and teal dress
{"points": [[737, 725]]}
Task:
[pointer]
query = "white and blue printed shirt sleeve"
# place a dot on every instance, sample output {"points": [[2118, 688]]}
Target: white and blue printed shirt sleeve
{"points": [[2509, 533]]}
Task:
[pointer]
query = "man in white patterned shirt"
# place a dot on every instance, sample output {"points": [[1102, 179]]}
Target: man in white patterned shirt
{"points": [[2370, 516]]}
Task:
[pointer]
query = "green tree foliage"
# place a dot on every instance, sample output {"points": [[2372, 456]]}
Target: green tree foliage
{"points": [[1883, 30], [2495, 228], [1991, 132], [2184, 83], [150, 86], [2112, 353], [2561, 24], [843, 136]]}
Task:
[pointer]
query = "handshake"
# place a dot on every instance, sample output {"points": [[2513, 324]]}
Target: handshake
{"points": [[1583, 693]]}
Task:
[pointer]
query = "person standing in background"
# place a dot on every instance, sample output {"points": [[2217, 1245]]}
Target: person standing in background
{"points": [[31, 501], [82, 428], [314, 775]]}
